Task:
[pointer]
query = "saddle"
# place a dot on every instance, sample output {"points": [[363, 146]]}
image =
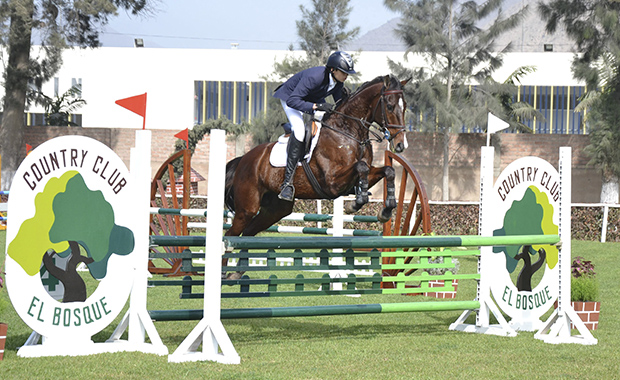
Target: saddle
{"points": [[277, 157]]}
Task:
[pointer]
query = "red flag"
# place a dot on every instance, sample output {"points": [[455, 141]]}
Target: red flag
{"points": [[28, 149], [136, 104], [183, 135]]}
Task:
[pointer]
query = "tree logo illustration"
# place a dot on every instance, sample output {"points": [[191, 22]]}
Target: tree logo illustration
{"points": [[532, 215], [68, 216]]}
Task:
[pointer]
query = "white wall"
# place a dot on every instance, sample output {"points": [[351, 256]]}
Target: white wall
{"points": [[168, 75]]}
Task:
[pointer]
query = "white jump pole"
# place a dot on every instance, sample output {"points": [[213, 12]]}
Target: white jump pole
{"points": [[557, 328], [216, 345], [487, 306], [338, 226], [137, 321]]}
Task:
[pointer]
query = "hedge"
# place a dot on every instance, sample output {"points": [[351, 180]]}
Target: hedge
{"points": [[451, 219]]}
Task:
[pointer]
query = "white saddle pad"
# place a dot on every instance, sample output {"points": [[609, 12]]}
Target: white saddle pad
{"points": [[277, 158]]}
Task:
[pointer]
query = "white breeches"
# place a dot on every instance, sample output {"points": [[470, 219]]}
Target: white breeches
{"points": [[296, 118]]}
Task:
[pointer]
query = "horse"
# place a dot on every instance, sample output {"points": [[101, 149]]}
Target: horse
{"points": [[341, 161]]}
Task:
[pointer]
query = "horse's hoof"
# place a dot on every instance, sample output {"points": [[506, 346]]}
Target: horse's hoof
{"points": [[350, 209], [384, 215], [235, 275]]}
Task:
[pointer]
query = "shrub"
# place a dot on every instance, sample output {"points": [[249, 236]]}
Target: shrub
{"points": [[584, 285], [584, 288]]}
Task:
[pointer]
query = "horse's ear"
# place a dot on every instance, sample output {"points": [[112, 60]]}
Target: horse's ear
{"points": [[386, 81], [404, 82]]}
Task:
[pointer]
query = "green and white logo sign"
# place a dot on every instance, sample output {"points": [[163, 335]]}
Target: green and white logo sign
{"points": [[525, 202], [70, 208]]}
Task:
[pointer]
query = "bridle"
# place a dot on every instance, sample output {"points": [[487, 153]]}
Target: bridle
{"points": [[383, 105], [368, 125]]}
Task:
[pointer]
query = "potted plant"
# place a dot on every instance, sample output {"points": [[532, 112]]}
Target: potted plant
{"points": [[3, 326], [584, 292]]}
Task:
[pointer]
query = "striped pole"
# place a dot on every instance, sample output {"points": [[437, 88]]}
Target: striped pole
{"points": [[296, 216], [302, 230]]}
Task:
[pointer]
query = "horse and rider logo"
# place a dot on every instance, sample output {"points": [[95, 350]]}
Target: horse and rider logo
{"points": [[72, 197]]}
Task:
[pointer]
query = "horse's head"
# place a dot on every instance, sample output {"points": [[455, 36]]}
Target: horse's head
{"points": [[388, 110]]}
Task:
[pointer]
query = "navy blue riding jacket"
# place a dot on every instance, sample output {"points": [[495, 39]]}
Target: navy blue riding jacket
{"points": [[307, 87]]}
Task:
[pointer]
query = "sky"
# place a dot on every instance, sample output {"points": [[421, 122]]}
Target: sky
{"points": [[208, 24]]}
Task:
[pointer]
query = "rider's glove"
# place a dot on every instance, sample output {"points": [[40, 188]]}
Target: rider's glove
{"points": [[326, 107]]}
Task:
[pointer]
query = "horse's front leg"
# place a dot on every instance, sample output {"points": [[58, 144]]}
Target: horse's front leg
{"points": [[361, 189], [374, 176]]}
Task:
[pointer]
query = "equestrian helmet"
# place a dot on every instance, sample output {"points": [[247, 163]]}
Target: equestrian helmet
{"points": [[342, 61]]}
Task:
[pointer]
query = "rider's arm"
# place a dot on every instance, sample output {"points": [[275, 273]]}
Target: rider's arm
{"points": [[303, 88]]}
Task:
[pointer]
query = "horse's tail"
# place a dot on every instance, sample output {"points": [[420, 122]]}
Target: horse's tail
{"points": [[229, 195]]}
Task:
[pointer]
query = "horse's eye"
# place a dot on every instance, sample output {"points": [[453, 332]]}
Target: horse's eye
{"points": [[390, 107]]}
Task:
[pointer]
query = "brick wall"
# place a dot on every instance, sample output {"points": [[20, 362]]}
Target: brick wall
{"points": [[425, 153]]}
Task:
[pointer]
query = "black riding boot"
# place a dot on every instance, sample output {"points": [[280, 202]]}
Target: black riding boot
{"points": [[294, 152]]}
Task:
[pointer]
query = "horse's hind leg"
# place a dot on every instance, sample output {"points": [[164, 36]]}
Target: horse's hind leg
{"points": [[272, 210], [246, 208]]}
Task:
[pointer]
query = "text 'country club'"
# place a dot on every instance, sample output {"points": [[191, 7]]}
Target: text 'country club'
{"points": [[73, 158]]}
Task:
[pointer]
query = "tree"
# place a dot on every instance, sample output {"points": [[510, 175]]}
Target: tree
{"points": [[595, 27], [321, 30], [604, 147], [58, 24], [59, 109], [517, 112], [196, 134], [458, 52], [266, 127]]}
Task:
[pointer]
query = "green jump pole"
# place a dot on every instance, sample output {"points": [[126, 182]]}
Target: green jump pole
{"points": [[385, 241], [177, 241], [305, 242], [311, 311]]}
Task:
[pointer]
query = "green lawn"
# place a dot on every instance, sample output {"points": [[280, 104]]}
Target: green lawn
{"points": [[389, 346]]}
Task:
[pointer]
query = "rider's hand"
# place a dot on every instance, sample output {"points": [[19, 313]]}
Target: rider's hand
{"points": [[326, 107]]}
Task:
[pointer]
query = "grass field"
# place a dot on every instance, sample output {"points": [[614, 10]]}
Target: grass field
{"points": [[388, 346]]}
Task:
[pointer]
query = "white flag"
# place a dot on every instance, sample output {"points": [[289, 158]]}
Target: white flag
{"points": [[496, 124]]}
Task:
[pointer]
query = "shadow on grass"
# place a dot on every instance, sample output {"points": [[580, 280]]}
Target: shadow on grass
{"points": [[276, 329]]}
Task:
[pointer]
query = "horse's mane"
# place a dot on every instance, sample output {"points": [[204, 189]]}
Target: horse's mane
{"points": [[347, 99], [378, 79], [365, 85]]}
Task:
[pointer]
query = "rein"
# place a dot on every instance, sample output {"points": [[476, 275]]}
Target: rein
{"points": [[365, 124]]}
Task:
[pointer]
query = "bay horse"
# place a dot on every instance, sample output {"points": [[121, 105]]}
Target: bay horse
{"points": [[341, 161]]}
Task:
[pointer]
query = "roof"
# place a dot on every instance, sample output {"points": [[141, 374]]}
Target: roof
{"points": [[529, 36]]}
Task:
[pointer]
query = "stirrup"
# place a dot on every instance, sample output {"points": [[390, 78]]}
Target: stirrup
{"points": [[287, 193]]}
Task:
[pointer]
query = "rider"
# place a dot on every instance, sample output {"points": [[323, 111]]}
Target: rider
{"points": [[305, 92]]}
